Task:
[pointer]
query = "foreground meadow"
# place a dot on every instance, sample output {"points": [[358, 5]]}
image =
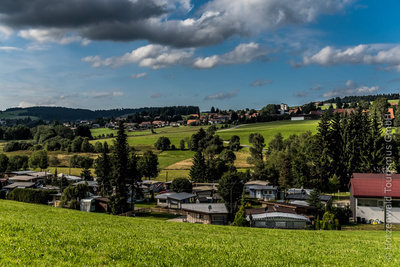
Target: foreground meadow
{"points": [[46, 236]]}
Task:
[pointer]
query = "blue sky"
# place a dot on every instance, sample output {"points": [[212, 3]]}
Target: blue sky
{"points": [[230, 54]]}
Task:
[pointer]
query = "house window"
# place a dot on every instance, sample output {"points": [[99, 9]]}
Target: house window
{"points": [[367, 202], [200, 216], [396, 203]]}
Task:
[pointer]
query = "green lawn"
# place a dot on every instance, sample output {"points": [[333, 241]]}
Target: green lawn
{"points": [[15, 114], [38, 235], [269, 129]]}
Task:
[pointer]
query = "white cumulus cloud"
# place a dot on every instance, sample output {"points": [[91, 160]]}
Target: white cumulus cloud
{"points": [[387, 56], [351, 88]]}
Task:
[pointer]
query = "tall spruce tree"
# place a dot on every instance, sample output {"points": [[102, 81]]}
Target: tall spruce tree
{"points": [[373, 156], [257, 157], [198, 171], [119, 201], [323, 166], [103, 170]]}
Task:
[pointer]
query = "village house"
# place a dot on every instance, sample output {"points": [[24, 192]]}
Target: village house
{"points": [[265, 192], [257, 182], [206, 213], [23, 185], [145, 124], [280, 220], [193, 122], [152, 185], [367, 197], [174, 200], [301, 199]]}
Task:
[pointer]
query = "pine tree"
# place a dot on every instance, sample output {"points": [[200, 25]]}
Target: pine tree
{"points": [[198, 171], [148, 164], [119, 201], [323, 166], [257, 157], [103, 170], [373, 155], [240, 217]]}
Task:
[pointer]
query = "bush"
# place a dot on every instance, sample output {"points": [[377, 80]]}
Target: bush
{"points": [[15, 146], [31, 195]]}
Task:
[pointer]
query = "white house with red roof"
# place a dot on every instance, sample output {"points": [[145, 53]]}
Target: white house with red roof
{"points": [[369, 192]]}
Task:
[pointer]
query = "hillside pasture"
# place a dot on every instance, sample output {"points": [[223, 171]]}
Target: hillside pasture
{"points": [[40, 235], [15, 115], [269, 129]]}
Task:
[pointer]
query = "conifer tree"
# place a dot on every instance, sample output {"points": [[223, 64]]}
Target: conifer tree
{"points": [[240, 217], [198, 171], [373, 155], [119, 201], [257, 157]]}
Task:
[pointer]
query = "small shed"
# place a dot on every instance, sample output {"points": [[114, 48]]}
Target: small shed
{"points": [[88, 204], [102, 204], [301, 199], [174, 200], [14, 185], [204, 213], [279, 220]]}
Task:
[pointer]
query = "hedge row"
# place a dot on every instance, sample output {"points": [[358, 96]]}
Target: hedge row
{"points": [[31, 195]]}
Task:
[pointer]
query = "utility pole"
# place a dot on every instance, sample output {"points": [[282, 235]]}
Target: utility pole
{"points": [[231, 204]]}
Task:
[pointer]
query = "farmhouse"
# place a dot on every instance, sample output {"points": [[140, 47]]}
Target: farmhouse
{"points": [[213, 213], [174, 200], [368, 192]]}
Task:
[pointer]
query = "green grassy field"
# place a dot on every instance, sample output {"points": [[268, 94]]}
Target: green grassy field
{"points": [[15, 114], [37, 235], [269, 129]]}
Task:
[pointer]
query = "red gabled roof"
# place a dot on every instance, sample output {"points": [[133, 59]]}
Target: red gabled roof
{"points": [[375, 184]]}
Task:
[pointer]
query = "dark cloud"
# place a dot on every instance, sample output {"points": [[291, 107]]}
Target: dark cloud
{"points": [[75, 13], [156, 21], [260, 82]]}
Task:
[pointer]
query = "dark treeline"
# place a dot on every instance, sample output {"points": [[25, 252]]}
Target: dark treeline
{"points": [[351, 99], [163, 114], [71, 114]]}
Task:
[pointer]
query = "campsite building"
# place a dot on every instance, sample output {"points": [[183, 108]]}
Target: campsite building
{"points": [[371, 192], [206, 213]]}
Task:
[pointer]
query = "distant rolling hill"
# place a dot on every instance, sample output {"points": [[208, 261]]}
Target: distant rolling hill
{"points": [[72, 114]]}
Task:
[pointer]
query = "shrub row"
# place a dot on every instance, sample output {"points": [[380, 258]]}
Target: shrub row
{"points": [[31, 195]]}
